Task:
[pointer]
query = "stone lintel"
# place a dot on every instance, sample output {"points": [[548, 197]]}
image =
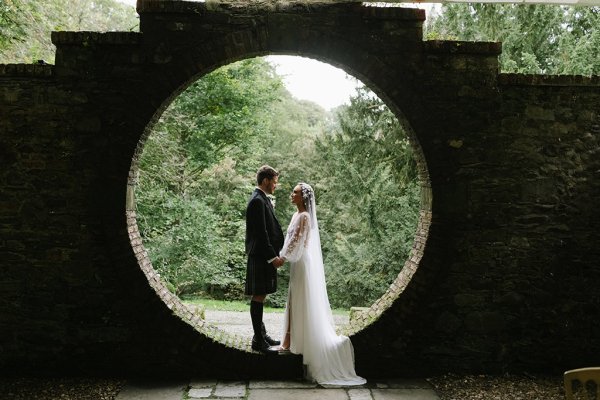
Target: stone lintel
{"points": [[547, 80], [27, 70], [296, 7], [462, 47], [87, 37]]}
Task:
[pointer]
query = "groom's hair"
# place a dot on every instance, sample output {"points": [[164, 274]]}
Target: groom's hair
{"points": [[265, 172]]}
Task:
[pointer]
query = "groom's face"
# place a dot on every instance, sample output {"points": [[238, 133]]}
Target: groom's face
{"points": [[272, 184]]}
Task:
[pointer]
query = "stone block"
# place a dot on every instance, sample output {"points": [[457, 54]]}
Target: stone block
{"points": [[413, 394], [356, 312], [281, 385], [297, 394], [230, 389], [359, 394], [201, 393]]}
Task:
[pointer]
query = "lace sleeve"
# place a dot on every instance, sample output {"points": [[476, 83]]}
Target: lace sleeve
{"points": [[296, 238]]}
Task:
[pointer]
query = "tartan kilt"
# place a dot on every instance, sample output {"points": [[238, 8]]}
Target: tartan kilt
{"points": [[261, 277]]}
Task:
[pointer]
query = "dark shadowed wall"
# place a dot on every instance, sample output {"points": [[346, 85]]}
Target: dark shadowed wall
{"points": [[504, 272]]}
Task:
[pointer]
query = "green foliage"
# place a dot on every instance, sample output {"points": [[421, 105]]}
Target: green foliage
{"points": [[12, 22], [25, 25], [191, 194], [539, 39], [198, 167], [371, 200], [220, 113]]}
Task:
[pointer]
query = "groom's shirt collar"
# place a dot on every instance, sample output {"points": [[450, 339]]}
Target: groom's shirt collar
{"points": [[267, 197]]}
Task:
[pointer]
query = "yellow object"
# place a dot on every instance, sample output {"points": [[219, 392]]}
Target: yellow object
{"points": [[583, 375]]}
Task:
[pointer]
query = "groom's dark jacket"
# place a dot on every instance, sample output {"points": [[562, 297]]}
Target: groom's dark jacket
{"points": [[264, 237]]}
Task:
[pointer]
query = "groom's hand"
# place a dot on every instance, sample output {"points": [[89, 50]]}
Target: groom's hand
{"points": [[278, 262]]}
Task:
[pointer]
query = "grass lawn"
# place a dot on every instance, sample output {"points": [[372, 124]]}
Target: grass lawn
{"points": [[236, 305]]}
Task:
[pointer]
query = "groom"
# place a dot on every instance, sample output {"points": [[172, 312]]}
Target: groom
{"points": [[264, 240]]}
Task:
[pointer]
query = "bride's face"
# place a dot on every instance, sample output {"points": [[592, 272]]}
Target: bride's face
{"points": [[296, 195]]}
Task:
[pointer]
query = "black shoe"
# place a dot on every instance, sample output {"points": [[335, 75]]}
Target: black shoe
{"points": [[262, 346], [268, 338], [282, 351], [272, 342]]}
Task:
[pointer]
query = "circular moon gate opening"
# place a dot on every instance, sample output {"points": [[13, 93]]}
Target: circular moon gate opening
{"points": [[361, 317]]}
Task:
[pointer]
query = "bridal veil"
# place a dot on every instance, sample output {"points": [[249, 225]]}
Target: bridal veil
{"points": [[329, 357]]}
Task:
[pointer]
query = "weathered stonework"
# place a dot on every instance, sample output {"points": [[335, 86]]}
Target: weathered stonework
{"points": [[503, 275]]}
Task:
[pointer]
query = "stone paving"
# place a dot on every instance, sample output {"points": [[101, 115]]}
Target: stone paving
{"points": [[276, 390]]}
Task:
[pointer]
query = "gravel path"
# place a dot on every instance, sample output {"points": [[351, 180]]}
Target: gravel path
{"points": [[493, 387], [239, 322]]}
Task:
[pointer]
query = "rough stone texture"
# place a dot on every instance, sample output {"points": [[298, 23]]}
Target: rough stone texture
{"points": [[503, 275], [199, 393], [202, 384], [360, 394], [412, 394], [281, 384], [297, 394], [230, 389], [152, 391]]}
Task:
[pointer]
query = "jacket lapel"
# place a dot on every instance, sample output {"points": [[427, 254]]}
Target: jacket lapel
{"points": [[265, 198]]}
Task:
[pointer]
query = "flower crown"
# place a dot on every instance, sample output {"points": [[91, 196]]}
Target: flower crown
{"points": [[307, 192]]}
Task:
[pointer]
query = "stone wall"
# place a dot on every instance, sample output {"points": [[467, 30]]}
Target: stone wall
{"points": [[503, 272]]}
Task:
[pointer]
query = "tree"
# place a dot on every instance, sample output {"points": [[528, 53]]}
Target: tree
{"points": [[580, 50], [191, 192], [12, 23], [370, 196], [25, 25], [540, 39], [198, 168]]}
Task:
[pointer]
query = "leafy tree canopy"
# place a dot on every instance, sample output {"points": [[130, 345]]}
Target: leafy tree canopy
{"points": [[25, 25], [537, 39], [198, 167]]}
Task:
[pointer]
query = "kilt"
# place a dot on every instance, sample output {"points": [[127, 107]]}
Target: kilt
{"points": [[261, 277]]}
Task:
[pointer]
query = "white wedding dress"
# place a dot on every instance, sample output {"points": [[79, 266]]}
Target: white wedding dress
{"points": [[329, 357]]}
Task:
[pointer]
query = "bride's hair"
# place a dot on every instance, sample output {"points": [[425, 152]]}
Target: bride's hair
{"points": [[308, 199], [307, 194]]}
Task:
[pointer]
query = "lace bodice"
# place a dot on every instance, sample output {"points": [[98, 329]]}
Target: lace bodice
{"points": [[296, 238]]}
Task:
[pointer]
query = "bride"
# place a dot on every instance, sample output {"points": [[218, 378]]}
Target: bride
{"points": [[308, 324]]}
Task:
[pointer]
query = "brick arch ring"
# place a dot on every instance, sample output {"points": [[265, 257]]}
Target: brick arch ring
{"points": [[175, 61]]}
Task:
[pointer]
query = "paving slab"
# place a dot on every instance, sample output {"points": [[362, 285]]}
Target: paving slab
{"points": [[148, 390], [230, 389], [228, 398], [201, 393], [203, 383], [404, 394], [298, 394], [408, 384], [360, 394], [281, 385]]}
